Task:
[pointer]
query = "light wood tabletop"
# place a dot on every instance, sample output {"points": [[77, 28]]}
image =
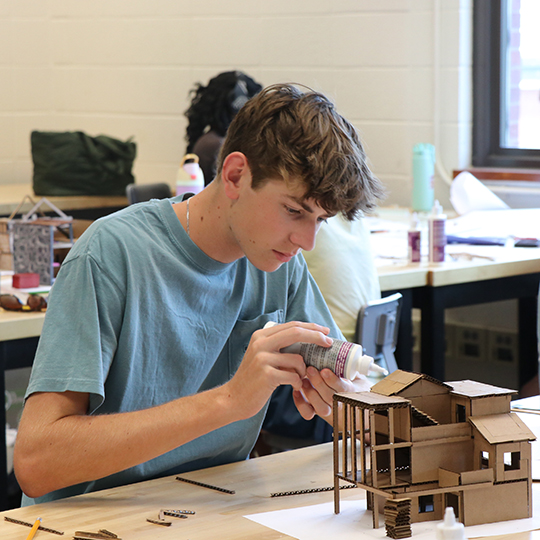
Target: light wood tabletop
{"points": [[464, 263], [12, 194], [124, 510], [490, 263], [471, 263], [480, 263], [19, 325], [402, 276]]}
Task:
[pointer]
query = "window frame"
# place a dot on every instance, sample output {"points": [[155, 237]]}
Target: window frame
{"points": [[487, 34], [426, 504]]}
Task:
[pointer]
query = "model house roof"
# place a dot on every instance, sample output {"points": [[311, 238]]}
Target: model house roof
{"points": [[477, 389], [500, 428], [374, 401], [399, 380]]}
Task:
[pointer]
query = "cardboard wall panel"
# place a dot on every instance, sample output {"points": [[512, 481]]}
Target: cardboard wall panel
{"points": [[500, 502]]}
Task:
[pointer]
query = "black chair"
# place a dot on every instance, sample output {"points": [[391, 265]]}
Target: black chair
{"points": [[377, 329], [136, 193]]}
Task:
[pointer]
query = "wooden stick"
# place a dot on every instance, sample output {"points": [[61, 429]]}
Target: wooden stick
{"points": [[311, 490], [209, 486], [26, 524]]}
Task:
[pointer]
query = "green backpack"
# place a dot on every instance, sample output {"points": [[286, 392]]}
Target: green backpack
{"points": [[73, 163]]}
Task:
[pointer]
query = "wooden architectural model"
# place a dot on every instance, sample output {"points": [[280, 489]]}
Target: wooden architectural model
{"points": [[29, 244], [438, 444]]}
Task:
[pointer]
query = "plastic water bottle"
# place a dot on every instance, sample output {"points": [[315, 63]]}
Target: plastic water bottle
{"points": [[423, 172], [190, 178]]}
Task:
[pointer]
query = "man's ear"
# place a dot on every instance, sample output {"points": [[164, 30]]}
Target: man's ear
{"points": [[235, 173]]}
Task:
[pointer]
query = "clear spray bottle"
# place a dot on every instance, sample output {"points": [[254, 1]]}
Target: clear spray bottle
{"points": [[345, 359]]}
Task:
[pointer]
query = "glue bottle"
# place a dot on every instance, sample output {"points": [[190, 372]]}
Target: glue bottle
{"points": [[450, 529], [413, 240], [436, 234], [345, 359], [190, 178]]}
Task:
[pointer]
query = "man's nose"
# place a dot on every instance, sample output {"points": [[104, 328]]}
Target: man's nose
{"points": [[305, 237]]}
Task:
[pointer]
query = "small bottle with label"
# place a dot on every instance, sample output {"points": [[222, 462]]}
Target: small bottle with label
{"points": [[190, 178], [437, 234], [413, 239], [345, 359]]}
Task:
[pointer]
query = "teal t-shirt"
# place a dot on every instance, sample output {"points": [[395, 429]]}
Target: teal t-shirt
{"points": [[139, 316]]}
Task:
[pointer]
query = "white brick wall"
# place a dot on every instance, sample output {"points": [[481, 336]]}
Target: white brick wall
{"points": [[124, 67]]}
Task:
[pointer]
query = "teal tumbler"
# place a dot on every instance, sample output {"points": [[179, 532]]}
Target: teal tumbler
{"points": [[423, 171]]}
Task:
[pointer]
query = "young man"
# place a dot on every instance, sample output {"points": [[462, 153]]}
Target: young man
{"points": [[153, 358]]}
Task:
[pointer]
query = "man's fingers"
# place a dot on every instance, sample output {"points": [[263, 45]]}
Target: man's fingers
{"points": [[320, 405], [307, 412]]}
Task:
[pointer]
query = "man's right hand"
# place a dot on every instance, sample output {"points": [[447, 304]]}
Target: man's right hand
{"points": [[264, 367]]}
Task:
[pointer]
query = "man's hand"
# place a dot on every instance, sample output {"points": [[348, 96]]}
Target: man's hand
{"points": [[264, 367], [318, 388]]}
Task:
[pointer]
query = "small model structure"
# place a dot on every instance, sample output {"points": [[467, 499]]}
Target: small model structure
{"points": [[28, 245], [397, 518], [440, 445]]}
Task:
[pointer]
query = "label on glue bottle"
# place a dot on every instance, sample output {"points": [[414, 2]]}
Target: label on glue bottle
{"points": [[414, 240], [343, 358]]}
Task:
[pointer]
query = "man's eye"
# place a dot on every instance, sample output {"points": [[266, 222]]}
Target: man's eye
{"points": [[292, 211]]}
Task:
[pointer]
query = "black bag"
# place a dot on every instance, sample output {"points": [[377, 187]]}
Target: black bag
{"points": [[73, 163]]}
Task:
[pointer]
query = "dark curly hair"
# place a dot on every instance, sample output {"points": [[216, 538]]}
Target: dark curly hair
{"points": [[214, 106]]}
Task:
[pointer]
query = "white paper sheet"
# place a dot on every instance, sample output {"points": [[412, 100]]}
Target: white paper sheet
{"points": [[468, 194], [354, 522], [533, 423], [521, 223]]}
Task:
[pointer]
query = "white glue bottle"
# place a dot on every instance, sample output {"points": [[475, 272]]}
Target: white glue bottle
{"points": [[436, 234], [343, 358], [190, 178], [450, 529], [413, 240]]}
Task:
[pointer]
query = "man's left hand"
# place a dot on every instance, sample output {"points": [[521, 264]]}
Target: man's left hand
{"points": [[318, 389]]}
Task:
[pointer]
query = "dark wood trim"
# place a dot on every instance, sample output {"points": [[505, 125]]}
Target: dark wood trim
{"points": [[488, 17], [486, 79], [506, 175]]}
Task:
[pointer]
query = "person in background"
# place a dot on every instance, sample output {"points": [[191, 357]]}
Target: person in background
{"points": [[212, 109]]}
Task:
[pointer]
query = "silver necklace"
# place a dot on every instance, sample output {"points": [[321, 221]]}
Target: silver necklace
{"points": [[187, 217]]}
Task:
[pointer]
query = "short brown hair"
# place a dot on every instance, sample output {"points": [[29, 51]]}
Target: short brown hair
{"points": [[289, 134]]}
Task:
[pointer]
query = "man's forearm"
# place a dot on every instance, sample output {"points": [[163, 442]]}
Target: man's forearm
{"points": [[52, 453]]}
